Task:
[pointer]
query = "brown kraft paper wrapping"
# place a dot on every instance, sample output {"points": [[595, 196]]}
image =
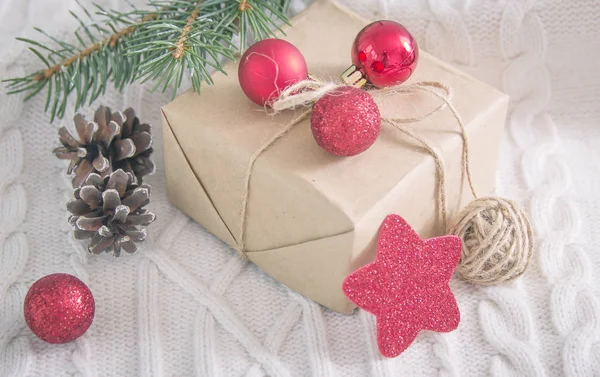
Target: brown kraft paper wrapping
{"points": [[314, 217]]}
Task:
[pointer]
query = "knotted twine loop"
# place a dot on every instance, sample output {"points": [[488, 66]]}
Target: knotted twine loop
{"points": [[496, 233], [304, 94]]}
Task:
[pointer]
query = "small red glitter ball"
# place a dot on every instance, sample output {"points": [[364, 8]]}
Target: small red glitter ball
{"points": [[59, 308], [345, 121], [385, 52], [268, 67]]}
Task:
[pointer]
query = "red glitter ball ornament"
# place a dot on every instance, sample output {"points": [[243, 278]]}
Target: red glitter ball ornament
{"points": [[385, 52], [406, 287], [59, 308], [345, 121], [268, 67]]}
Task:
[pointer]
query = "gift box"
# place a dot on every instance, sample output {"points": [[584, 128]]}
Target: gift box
{"points": [[312, 218]]}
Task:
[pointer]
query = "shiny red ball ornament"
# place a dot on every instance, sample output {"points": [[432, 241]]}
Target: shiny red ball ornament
{"points": [[385, 53], [59, 308], [268, 67], [345, 121]]}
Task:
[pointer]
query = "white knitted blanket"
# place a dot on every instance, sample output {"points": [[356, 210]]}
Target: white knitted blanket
{"points": [[187, 306]]}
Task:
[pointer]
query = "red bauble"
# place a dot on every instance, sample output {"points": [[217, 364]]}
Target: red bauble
{"points": [[268, 67], [59, 308], [385, 52], [345, 121]]}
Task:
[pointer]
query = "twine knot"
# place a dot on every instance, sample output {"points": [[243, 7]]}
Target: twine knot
{"points": [[497, 241]]}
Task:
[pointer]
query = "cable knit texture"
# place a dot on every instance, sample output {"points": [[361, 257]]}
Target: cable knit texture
{"points": [[186, 305]]}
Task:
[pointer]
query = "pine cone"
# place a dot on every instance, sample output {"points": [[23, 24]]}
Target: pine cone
{"points": [[109, 211], [112, 141]]}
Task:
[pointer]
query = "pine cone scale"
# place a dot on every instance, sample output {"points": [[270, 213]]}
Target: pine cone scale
{"points": [[86, 131], [90, 223], [80, 123], [121, 213], [144, 128], [130, 122], [124, 148], [100, 163], [100, 244], [128, 245], [144, 167], [111, 199], [94, 180], [107, 172], [67, 139], [118, 181], [82, 234], [81, 172], [78, 207], [143, 219], [101, 116], [142, 142], [118, 117], [137, 235], [112, 131], [66, 154], [91, 196], [139, 196]]}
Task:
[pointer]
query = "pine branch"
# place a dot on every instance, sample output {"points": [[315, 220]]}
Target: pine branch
{"points": [[111, 41], [160, 44], [84, 67]]}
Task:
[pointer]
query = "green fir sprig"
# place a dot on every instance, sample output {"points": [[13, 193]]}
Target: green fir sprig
{"points": [[160, 43]]}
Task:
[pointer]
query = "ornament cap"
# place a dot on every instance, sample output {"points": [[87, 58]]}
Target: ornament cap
{"points": [[353, 76]]}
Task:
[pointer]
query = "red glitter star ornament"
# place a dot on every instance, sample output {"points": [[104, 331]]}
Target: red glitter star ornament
{"points": [[406, 287]]}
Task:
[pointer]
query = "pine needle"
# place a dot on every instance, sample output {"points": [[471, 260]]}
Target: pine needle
{"points": [[162, 43]]}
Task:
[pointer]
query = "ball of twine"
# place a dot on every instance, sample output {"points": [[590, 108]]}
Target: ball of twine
{"points": [[497, 241]]}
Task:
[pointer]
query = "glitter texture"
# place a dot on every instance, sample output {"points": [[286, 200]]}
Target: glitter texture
{"points": [[59, 308], [406, 287], [345, 121]]}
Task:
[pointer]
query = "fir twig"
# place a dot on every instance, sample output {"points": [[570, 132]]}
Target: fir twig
{"points": [[111, 41], [161, 44]]}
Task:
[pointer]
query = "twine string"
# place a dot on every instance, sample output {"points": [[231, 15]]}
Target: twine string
{"points": [[241, 241], [426, 87], [438, 159], [306, 92]]}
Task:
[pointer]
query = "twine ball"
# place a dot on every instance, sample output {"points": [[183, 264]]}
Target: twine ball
{"points": [[497, 241]]}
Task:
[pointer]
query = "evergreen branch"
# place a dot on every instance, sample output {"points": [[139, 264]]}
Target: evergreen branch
{"points": [[111, 41], [160, 44]]}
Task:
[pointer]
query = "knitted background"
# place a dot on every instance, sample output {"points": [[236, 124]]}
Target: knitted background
{"points": [[186, 305]]}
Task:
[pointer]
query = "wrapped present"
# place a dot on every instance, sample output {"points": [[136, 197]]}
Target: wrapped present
{"points": [[312, 218]]}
